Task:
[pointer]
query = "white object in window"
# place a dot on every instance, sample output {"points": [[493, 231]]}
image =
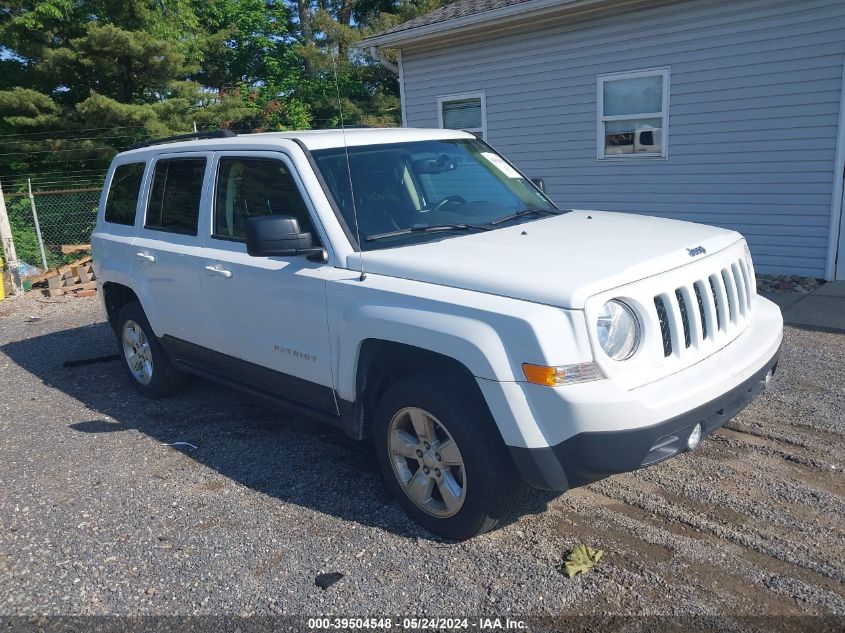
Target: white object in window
{"points": [[466, 111], [633, 114]]}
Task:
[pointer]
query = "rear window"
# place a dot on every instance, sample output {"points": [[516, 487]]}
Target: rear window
{"points": [[175, 195], [123, 193]]}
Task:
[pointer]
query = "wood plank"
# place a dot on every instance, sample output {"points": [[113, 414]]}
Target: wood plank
{"points": [[90, 285], [63, 269], [68, 249], [44, 276]]}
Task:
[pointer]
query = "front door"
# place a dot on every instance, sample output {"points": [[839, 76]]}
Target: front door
{"points": [[270, 312]]}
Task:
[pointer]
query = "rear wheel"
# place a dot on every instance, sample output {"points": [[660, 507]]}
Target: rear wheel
{"points": [[442, 456], [143, 358]]}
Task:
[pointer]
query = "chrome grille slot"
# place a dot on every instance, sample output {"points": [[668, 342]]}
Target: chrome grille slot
{"points": [[740, 289], [750, 289], [721, 300], [730, 289], [704, 314], [664, 325], [682, 306]]}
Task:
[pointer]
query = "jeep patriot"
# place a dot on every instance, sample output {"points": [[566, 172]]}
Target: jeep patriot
{"points": [[415, 289]]}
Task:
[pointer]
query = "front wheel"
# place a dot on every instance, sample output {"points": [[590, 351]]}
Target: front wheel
{"points": [[442, 457], [143, 358]]}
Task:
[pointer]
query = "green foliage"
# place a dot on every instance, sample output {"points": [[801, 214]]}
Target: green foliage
{"points": [[23, 231], [81, 80]]}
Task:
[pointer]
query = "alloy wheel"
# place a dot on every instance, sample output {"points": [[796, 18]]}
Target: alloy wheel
{"points": [[136, 350], [427, 462]]}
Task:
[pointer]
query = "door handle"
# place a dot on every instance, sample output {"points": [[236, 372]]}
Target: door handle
{"points": [[214, 270], [145, 256]]}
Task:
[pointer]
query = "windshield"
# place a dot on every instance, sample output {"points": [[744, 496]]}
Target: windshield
{"points": [[402, 189]]}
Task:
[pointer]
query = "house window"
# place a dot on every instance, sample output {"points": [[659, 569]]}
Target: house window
{"points": [[633, 112], [465, 111]]}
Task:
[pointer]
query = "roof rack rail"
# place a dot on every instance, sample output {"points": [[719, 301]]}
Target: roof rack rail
{"points": [[222, 133]]}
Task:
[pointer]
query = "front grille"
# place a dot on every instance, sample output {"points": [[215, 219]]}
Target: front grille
{"points": [[723, 300]]}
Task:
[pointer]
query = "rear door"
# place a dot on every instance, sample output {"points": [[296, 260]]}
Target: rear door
{"points": [[168, 248], [269, 312], [117, 222]]}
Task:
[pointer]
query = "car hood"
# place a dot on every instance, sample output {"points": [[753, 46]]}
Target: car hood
{"points": [[560, 260]]}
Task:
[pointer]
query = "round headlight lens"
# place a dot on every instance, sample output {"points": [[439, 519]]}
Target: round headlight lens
{"points": [[618, 330]]}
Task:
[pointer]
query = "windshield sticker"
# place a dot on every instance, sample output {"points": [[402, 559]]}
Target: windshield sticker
{"points": [[501, 165]]}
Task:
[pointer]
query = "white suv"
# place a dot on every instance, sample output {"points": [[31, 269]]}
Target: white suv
{"points": [[413, 288]]}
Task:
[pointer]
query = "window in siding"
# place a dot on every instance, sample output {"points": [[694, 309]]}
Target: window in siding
{"points": [[465, 111], [633, 114]]}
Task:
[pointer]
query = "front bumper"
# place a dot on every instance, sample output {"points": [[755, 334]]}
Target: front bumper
{"points": [[590, 456]]}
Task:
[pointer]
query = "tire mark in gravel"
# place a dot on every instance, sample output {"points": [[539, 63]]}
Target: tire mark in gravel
{"points": [[710, 564], [662, 506], [768, 445]]}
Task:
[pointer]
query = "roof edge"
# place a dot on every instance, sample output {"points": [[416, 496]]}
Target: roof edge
{"points": [[449, 26]]}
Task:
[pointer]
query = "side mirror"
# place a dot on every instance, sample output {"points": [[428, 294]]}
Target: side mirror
{"points": [[539, 183], [273, 235]]}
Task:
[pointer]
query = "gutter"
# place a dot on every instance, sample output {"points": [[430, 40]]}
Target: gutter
{"points": [[374, 52], [448, 27]]}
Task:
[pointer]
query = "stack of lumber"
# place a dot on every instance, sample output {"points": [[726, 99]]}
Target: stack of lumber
{"points": [[75, 277]]}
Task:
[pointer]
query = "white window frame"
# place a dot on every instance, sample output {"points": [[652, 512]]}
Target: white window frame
{"points": [[663, 115], [478, 94]]}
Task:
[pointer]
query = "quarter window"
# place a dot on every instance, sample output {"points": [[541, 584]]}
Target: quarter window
{"points": [[633, 113], [254, 187], [175, 195], [123, 193], [465, 112]]}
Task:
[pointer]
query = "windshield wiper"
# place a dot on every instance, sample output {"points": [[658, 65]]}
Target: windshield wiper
{"points": [[524, 212], [427, 228]]}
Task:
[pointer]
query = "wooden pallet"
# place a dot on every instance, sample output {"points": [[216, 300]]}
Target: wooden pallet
{"points": [[78, 275]]}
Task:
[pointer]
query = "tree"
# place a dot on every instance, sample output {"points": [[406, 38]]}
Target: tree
{"points": [[82, 79]]}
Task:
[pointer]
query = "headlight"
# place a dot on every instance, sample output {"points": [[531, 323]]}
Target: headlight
{"points": [[618, 330]]}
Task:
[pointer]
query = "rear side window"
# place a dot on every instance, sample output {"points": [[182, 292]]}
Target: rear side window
{"points": [[175, 195], [253, 187], [123, 193]]}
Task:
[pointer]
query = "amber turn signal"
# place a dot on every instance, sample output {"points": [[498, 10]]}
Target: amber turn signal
{"points": [[564, 375]]}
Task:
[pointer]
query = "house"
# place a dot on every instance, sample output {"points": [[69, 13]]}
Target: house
{"points": [[727, 112]]}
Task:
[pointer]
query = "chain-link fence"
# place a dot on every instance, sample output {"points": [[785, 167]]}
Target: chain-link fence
{"points": [[64, 216]]}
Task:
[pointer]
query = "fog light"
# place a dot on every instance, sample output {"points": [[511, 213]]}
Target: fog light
{"points": [[695, 437]]}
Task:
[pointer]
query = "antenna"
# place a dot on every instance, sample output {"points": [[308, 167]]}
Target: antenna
{"points": [[349, 173]]}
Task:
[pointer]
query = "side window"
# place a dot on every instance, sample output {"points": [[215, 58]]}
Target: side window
{"points": [[175, 195], [253, 187], [123, 193]]}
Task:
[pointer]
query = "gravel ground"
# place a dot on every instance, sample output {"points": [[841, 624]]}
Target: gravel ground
{"points": [[101, 514]]}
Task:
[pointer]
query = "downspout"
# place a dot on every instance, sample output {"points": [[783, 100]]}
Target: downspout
{"points": [[381, 60]]}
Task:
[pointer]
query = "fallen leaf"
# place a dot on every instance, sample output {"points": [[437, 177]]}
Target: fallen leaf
{"points": [[581, 559]]}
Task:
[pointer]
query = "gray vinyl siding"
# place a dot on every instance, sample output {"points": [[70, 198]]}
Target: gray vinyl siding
{"points": [[754, 105]]}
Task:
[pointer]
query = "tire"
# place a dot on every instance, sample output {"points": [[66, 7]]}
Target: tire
{"points": [[455, 501], [153, 376]]}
